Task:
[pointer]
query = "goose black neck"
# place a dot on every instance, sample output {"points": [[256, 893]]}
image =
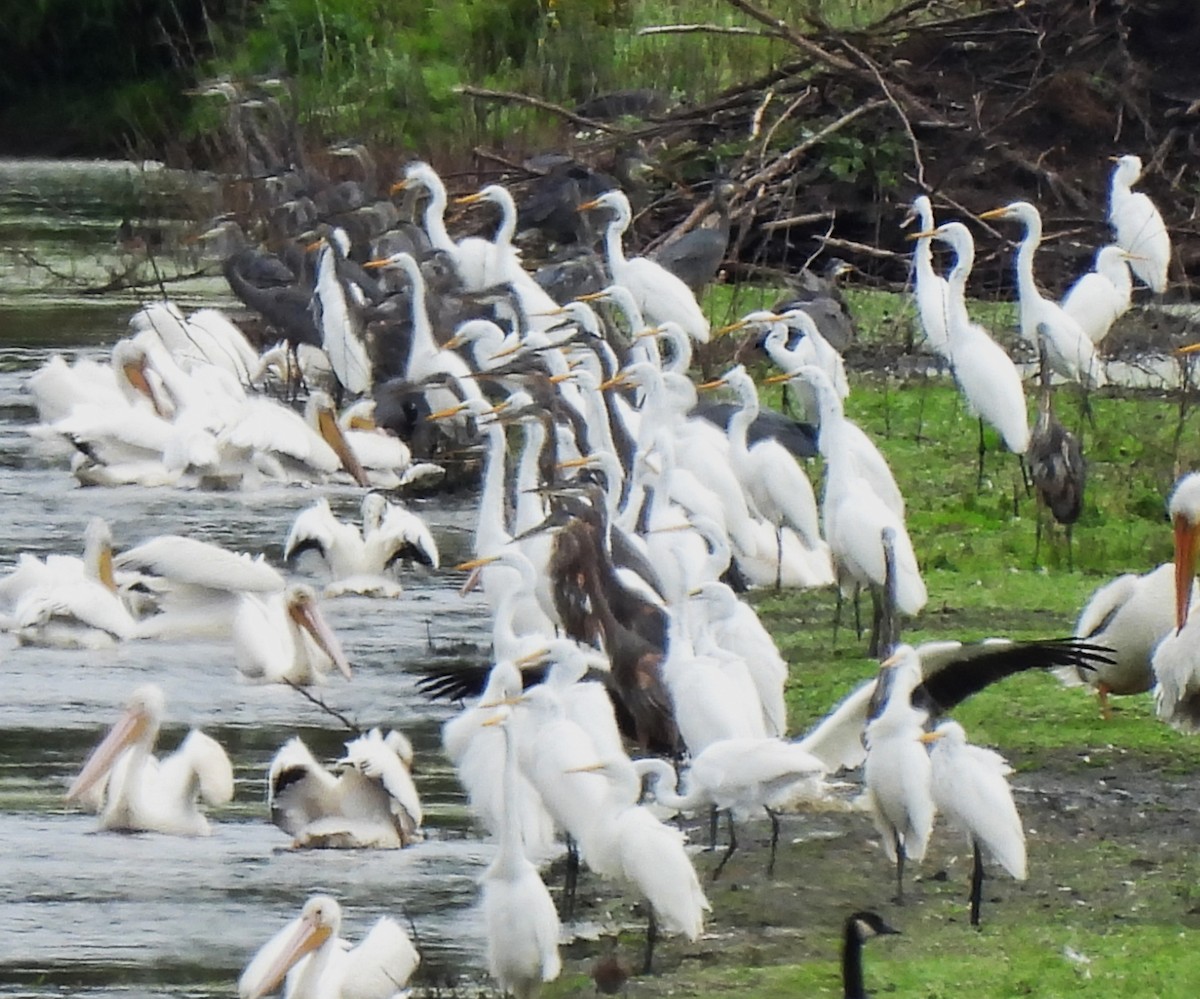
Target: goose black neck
{"points": [[852, 972]]}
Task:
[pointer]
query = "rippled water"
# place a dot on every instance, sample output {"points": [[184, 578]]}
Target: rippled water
{"points": [[107, 914]]}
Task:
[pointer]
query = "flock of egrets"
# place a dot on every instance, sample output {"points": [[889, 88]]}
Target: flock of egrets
{"points": [[618, 518]]}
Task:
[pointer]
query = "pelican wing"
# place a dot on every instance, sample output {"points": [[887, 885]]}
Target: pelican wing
{"points": [[299, 789], [402, 534], [315, 528], [197, 563], [953, 672], [265, 425], [382, 964], [82, 602], [203, 767], [375, 760]]}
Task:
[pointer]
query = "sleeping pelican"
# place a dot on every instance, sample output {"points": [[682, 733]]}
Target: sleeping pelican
{"points": [[372, 803], [135, 792], [284, 638], [321, 965], [359, 560]]}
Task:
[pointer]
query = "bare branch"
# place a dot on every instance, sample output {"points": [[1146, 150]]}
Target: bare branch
{"points": [[507, 96]]}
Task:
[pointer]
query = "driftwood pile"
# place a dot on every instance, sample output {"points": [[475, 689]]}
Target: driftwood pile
{"points": [[977, 104]]}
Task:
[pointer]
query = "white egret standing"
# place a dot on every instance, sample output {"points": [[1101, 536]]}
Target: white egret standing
{"points": [[1102, 295], [1138, 227], [970, 789], [659, 294], [1069, 350], [930, 289]]}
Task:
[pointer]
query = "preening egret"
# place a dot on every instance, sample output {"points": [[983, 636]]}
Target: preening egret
{"points": [[133, 791], [1069, 350], [1176, 662], [659, 294], [859, 927], [320, 965], [372, 802], [1138, 227], [970, 789]]}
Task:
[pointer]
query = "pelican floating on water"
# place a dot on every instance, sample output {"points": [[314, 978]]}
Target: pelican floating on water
{"points": [[372, 803], [360, 559], [135, 792], [284, 638], [320, 965]]}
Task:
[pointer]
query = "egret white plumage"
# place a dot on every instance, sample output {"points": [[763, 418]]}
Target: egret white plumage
{"points": [[1176, 661], [134, 791], [659, 294], [320, 965], [1137, 225], [740, 776], [372, 802], [970, 789], [1069, 350], [985, 374], [522, 924], [930, 289], [1101, 296]]}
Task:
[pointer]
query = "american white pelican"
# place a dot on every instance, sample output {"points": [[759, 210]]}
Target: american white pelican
{"points": [[67, 602], [860, 926], [660, 294], [1138, 227], [1131, 615], [970, 789], [522, 924], [320, 965], [1069, 350], [1176, 662], [199, 584], [284, 638], [371, 803], [359, 559], [133, 791]]}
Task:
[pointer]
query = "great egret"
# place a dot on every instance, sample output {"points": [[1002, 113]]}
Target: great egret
{"points": [[659, 293], [320, 965], [1138, 227], [740, 776], [134, 792], [985, 374], [970, 789], [1069, 350], [930, 289], [1102, 295], [1176, 662], [522, 924]]}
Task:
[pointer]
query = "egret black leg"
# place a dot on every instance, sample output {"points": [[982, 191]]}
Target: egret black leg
{"points": [[651, 939], [713, 816], [899, 868], [979, 477], [976, 887], [729, 850], [778, 557], [570, 879], [857, 612], [771, 814], [837, 614]]}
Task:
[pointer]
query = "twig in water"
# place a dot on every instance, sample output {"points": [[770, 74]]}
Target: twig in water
{"points": [[332, 712]]}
